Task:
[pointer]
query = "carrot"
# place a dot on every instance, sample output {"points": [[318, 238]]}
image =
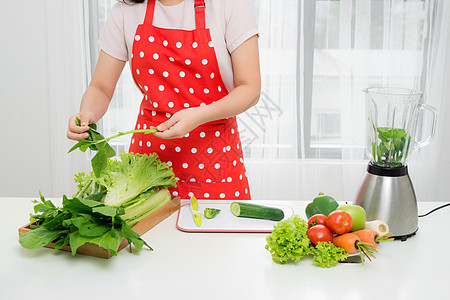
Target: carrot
{"points": [[348, 242], [368, 236], [371, 237], [351, 243]]}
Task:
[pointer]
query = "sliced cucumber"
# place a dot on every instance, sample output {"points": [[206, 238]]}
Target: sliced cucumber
{"points": [[256, 211]]}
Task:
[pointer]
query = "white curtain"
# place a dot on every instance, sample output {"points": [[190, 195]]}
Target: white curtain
{"points": [[307, 133], [431, 163], [316, 58], [68, 76]]}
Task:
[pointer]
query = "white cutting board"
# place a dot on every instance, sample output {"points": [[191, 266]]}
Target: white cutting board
{"points": [[225, 221]]}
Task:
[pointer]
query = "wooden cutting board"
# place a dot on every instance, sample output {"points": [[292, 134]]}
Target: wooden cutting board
{"points": [[225, 221], [140, 228]]}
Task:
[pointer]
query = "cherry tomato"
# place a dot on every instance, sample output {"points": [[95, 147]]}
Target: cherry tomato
{"points": [[317, 219], [319, 233], [339, 222]]}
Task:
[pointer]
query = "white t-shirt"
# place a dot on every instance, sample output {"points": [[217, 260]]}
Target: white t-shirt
{"points": [[231, 22]]}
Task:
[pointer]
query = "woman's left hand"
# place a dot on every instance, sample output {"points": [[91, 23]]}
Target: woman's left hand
{"points": [[181, 123]]}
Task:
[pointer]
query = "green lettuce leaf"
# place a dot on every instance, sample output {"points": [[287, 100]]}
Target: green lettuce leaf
{"points": [[288, 241], [327, 255]]}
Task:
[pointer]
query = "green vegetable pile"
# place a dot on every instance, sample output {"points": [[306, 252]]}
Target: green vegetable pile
{"points": [[78, 222], [288, 243], [111, 199], [133, 183]]}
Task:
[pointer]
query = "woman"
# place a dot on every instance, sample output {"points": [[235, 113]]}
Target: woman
{"points": [[196, 64]]}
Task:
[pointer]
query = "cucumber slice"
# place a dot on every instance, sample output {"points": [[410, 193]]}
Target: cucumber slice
{"points": [[256, 211]]}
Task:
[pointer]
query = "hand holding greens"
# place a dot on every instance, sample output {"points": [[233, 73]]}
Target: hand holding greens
{"points": [[99, 143]]}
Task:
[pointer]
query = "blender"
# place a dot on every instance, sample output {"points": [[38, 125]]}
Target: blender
{"points": [[386, 192]]}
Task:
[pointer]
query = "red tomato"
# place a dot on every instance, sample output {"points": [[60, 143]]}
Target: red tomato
{"points": [[317, 219], [319, 233], [339, 222]]}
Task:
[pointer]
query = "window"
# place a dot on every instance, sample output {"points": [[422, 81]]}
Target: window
{"points": [[316, 57]]}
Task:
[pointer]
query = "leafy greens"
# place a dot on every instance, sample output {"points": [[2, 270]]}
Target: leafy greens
{"points": [[109, 201], [327, 254], [78, 222], [391, 150], [288, 241]]}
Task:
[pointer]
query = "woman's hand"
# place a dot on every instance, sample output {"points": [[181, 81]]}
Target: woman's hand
{"points": [[181, 123], [76, 132]]}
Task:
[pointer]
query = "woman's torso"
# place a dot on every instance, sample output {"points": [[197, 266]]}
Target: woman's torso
{"points": [[230, 22]]}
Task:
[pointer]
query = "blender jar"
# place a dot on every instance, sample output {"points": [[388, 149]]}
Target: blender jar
{"points": [[392, 119]]}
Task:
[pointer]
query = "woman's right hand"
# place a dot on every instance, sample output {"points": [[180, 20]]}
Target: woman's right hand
{"points": [[76, 132]]}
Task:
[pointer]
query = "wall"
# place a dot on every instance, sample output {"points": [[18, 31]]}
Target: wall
{"points": [[24, 114]]}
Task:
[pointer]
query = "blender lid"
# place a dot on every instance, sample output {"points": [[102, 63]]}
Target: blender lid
{"points": [[374, 169]]}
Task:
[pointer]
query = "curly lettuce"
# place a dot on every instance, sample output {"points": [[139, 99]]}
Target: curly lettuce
{"points": [[288, 241], [134, 174], [138, 183], [327, 255]]}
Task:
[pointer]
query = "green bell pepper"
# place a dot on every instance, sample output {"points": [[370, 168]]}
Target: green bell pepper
{"points": [[322, 204]]}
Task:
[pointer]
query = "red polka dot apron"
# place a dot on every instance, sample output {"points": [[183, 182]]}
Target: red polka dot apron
{"points": [[177, 69]]}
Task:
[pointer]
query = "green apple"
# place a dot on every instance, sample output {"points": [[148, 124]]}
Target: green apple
{"points": [[358, 215]]}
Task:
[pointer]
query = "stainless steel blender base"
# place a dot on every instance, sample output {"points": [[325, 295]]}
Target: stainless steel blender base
{"points": [[391, 199]]}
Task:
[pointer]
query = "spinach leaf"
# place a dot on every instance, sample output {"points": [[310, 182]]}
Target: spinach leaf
{"points": [[110, 240], [78, 222], [93, 230], [55, 223], [62, 242], [133, 237], [106, 211], [39, 237]]}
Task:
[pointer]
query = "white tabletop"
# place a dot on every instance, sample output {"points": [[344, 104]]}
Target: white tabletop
{"points": [[222, 266]]}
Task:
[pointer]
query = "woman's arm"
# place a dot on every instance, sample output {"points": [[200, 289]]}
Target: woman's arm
{"points": [[247, 80], [97, 96]]}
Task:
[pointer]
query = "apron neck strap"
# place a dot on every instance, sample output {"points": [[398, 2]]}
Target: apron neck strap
{"points": [[200, 14], [199, 7], [149, 12]]}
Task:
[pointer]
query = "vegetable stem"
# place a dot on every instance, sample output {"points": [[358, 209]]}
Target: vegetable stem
{"points": [[146, 131]]}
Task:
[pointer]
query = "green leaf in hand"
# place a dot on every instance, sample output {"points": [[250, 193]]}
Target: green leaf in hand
{"points": [[97, 142]]}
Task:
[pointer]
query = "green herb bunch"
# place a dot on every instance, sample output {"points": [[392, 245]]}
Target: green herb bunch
{"points": [[78, 222]]}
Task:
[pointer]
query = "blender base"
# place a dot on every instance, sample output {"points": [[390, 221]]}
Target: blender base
{"points": [[387, 194], [403, 238]]}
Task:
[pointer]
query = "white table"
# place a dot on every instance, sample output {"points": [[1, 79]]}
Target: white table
{"points": [[222, 266]]}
